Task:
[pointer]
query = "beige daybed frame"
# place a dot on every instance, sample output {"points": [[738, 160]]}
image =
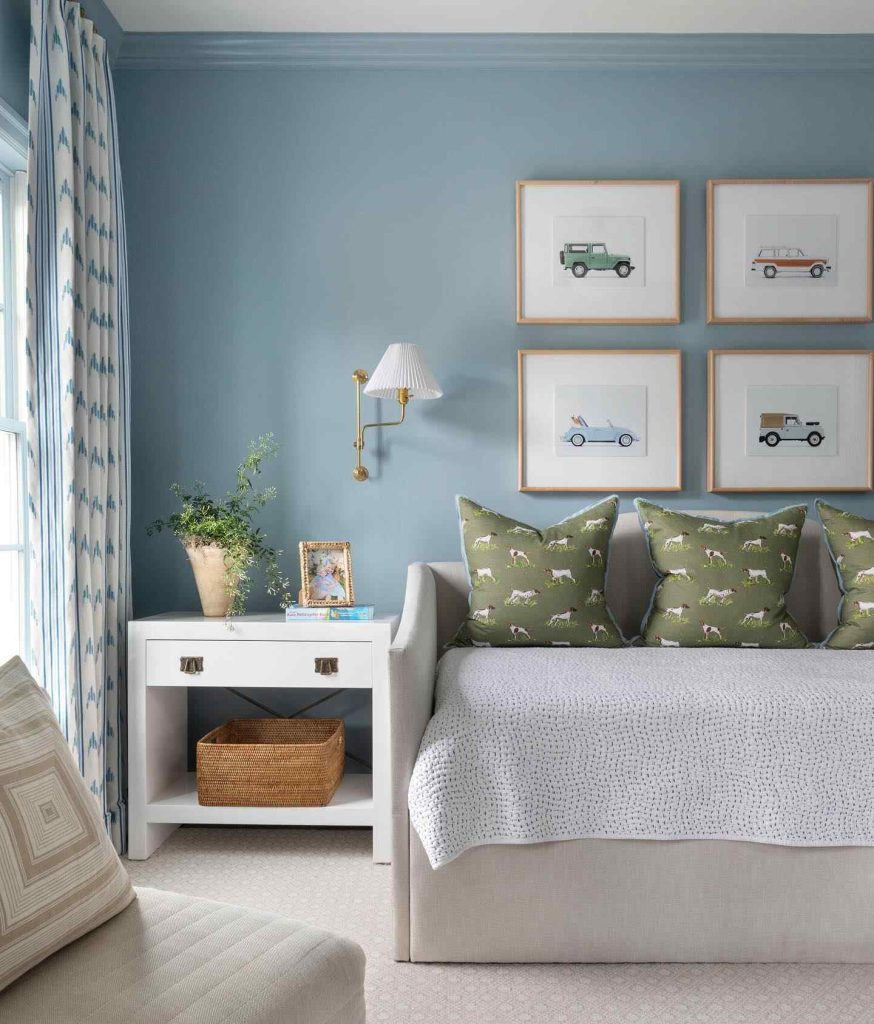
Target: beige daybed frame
{"points": [[596, 900]]}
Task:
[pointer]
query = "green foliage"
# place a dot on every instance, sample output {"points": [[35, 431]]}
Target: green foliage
{"points": [[228, 523]]}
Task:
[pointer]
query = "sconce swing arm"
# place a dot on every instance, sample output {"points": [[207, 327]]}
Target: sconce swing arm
{"points": [[403, 396]]}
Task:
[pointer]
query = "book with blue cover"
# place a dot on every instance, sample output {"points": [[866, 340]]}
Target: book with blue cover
{"points": [[297, 613], [355, 613]]}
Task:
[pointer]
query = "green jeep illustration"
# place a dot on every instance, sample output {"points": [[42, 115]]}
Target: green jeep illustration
{"points": [[581, 257]]}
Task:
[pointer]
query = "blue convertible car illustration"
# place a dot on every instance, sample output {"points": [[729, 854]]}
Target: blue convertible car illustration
{"points": [[583, 433]]}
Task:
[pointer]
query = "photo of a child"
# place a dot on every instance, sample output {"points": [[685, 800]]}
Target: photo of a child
{"points": [[326, 573], [326, 583]]}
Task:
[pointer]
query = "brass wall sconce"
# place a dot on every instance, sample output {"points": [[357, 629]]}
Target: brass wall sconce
{"points": [[402, 374]]}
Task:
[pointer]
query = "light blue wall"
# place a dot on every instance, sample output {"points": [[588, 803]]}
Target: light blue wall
{"points": [[14, 53], [284, 226]]}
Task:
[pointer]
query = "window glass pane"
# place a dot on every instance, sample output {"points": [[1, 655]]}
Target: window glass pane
{"points": [[17, 307], [5, 353], [4, 228], [10, 489], [10, 605], [5, 364]]}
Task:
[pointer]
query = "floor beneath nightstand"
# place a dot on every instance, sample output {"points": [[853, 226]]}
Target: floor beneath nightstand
{"points": [[326, 878]]}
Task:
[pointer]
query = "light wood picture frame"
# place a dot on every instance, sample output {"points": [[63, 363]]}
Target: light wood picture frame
{"points": [[326, 574], [634, 279], [790, 250], [600, 420], [823, 445]]}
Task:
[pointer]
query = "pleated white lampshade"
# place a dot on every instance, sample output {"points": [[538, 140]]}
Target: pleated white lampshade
{"points": [[402, 366]]}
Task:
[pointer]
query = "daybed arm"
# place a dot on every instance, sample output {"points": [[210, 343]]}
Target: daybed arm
{"points": [[413, 660]]}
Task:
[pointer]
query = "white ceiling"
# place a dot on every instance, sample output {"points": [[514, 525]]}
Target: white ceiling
{"points": [[843, 16]]}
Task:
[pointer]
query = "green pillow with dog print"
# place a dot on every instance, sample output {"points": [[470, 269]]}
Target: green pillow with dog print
{"points": [[722, 584], [850, 540], [533, 588]]}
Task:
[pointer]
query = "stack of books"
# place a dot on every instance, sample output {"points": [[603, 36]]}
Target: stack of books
{"points": [[353, 613]]}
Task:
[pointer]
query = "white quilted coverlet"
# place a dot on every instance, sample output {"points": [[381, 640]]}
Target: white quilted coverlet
{"points": [[536, 745]]}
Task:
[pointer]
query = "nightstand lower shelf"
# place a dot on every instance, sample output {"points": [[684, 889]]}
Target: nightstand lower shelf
{"points": [[177, 804]]}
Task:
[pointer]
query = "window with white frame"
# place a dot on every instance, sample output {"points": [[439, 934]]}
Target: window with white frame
{"points": [[13, 444]]}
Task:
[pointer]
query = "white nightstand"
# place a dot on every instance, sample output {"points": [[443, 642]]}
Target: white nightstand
{"points": [[254, 651]]}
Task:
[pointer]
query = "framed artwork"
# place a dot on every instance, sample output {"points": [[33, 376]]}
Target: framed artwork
{"points": [[597, 252], [600, 419], [326, 573], [789, 251], [789, 420]]}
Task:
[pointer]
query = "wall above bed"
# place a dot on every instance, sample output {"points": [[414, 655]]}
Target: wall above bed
{"points": [[286, 223]]}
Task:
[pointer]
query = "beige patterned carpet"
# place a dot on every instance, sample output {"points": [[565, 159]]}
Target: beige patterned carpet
{"points": [[326, 877]]}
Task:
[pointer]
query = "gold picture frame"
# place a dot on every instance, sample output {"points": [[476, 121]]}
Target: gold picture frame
{"points": [[712, 269], [830, 356], [673, 184], [333, 587], [670, 431]]}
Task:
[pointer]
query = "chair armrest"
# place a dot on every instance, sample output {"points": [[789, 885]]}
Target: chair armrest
{"points": [[412, 667]]}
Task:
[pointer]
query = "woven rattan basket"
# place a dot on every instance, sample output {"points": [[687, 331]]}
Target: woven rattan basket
{"points": [[271, 762]]}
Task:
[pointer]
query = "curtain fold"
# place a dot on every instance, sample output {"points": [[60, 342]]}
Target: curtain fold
{"points": [[77, 397]]}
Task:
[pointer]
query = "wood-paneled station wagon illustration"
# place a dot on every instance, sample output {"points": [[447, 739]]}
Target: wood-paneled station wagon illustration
{"points": [[789, 250], [776, 427], [787, 259], [581, 433], [581, 257]]}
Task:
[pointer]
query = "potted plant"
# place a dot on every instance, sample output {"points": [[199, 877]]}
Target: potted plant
{"points": [[221, 540]]}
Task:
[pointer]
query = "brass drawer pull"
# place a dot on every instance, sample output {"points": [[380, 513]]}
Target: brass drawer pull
{"points": [[191, 666], [327, 666]]}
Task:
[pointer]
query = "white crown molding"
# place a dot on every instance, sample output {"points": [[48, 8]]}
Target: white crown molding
{"points": [[786, 53]]}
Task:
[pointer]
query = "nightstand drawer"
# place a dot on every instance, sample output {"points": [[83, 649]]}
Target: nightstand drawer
{"points": [[258, 663]]}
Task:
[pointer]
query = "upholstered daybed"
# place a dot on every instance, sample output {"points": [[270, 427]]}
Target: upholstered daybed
{"points": [[607, 899]]}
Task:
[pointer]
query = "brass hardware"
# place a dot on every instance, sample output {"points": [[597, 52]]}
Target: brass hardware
{"points": [[403, 396], [191, 666], [327, 666]]}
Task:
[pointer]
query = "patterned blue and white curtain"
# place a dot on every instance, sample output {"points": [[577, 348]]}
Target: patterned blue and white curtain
{"points": [[77, 398]]}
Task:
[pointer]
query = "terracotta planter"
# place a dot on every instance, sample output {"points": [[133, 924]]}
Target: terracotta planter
{"points": [[210, 575]]}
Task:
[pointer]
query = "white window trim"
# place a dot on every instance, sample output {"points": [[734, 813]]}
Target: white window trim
{"points": [[13, 138], [13, 158]]}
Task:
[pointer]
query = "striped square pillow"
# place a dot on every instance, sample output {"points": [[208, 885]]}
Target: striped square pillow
{"points": [[59, 874]]}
